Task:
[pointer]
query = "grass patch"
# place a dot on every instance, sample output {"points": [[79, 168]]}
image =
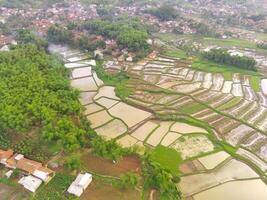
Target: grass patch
{"points": [[119, 80], [55, 189], [8, 182], [167, 157], [255, 83], [230, 42], [230, 103], [228, 148], [225, 70], [196, 107], [177, 53]]}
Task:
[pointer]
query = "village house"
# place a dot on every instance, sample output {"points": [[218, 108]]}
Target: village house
{"points": [[80, 184], [5, 40], [36, 172], [5, 155], [31, 167], [30, 183]]}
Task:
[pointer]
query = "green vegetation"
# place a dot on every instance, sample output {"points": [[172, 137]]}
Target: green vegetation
{"points": [[27, 37], [55, 189], [164, 13], [167, 157], [129, 33], [28, 3], [58, 34], [225, 70], [7, 182], [255, 83], [194, 108], [107, 149], [177, 53], [118, 80], [158, 177], [223, 57], [73, 162], [230, 42], [228, 148], [36, 92], [262, 45], [230, 103], [128, 180]]}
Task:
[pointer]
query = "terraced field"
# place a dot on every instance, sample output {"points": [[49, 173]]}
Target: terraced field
{"points": [[218, 126]]}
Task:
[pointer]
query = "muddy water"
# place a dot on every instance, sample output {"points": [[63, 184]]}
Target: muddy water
{"points": [[129, 114], [186, 128], [238, 190]]}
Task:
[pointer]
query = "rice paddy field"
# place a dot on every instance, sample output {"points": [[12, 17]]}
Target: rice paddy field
{"points": [[207, 126]]}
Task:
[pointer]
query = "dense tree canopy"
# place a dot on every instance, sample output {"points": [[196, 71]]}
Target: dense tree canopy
{"points": [[59, 34], [25, 36], [262, 45], [128, 33], [223, 57], [160, 178], [35, 91], [28, 3], [164, 13]]}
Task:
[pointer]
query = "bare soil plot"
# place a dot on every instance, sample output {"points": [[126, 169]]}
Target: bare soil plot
{"points": [[127, 141], [98, 81], [75, 65], [264, 86], [81, 72], [78, 58], [227, 87], [237, 90], [86, 97], [91, 108], [143, 131], [99, 190], [187, 88], [106, 91], [262, 99], [193, 184], [184, 128], [107, 167], [112, 129], [211, 161], [235, 136], [99, 118], [159, 133], [84, 84], [107, 103], [13, 193], [217, 82], [129, 114], [190, 146], [170, 138], [207, 83], [249, 93], [245, 190]]}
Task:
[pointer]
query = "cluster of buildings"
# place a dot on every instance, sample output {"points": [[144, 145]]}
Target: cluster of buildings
{"points": [[35, 173]]}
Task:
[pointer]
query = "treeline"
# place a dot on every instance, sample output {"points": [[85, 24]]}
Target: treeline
{"points": [[29, 3], [61, 35], [164, 13], [223, 57], [129, 33], [156, 176], [262, 45], [35, 92]]}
